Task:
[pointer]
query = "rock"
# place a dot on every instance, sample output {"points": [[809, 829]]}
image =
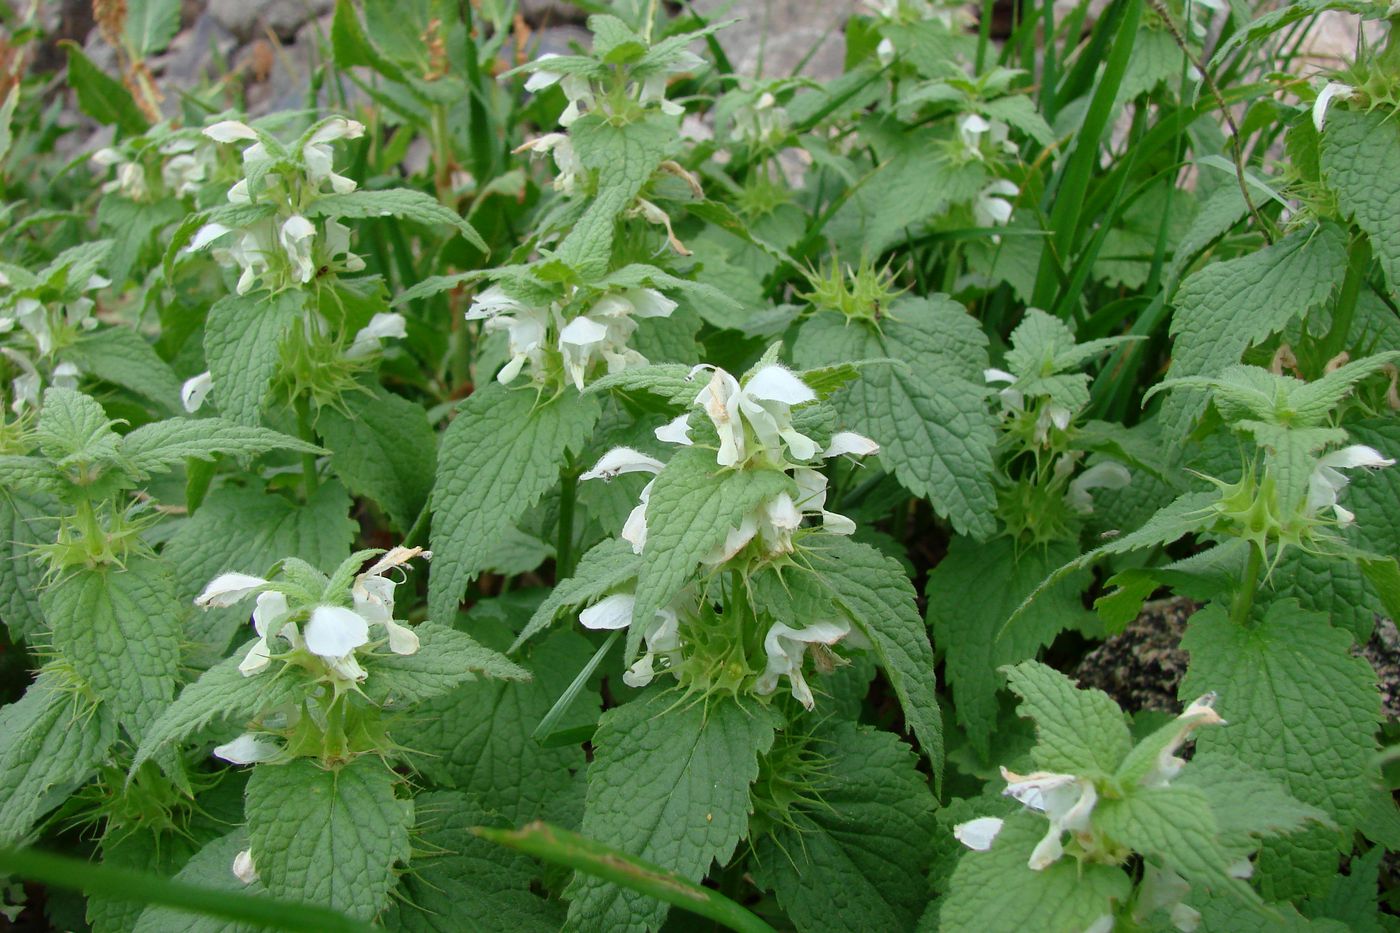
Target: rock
{"points": [[779, 35], [193, 55], [545, 12], [247, 18]]}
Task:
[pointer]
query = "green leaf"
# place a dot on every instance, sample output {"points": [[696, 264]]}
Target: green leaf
{"points": [[930, 417], [48, 740], [210, 868], [384, 449], [608, 564], [222, 694], [406, 203], [241, 341], [995, 890], [151, 24], [1284, 16], [624, 156], [352, 46], [971, 593], [1301, 708], [120, 356], [156, 447], [669, 784], [1248, 806], [120, 629], [876, 593], [100, 97], [73, 429], [1335, 587], [462, 882], [614, 42], [694, 503], [1361, 162], [1078, 732], [1175, 826], [1227, 307], [445, 659], [329, 836], [26, 520], [1374, 495], [858, 859], [498, 458], [477, 738]]}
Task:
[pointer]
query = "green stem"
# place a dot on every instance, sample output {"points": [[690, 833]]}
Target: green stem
{"points": [[1359, 261], [1243, 603], [308, 461], [564, 550]]}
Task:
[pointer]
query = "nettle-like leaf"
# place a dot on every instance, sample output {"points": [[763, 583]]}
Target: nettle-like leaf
{"points": [[241, 340], [74, 430], [27, 520], [384, 449], [1176, 826], [669, 784], [693, 505], [120, 356], [930, 415], [161, 445], [1078, 731], [329, 836], [120, 628], [405, 203], [608, 564], [1227, 307], [498, 458], [1303, 709], [1361, 162], [49, 738], [992, 890], [445, 659], [857, 859], [209, 868]]}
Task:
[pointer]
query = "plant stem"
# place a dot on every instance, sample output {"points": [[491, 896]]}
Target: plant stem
{"points": [[1243, 603], [564, 550], [308, 461], [1358, 262]]}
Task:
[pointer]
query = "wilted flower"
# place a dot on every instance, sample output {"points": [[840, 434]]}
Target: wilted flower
{"points": [[571, 168], [1066, 800], [786, 648]]}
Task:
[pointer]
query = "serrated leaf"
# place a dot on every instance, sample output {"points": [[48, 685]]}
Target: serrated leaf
{"points": [[858, 860], [151, 24], [383, 449], [669, 784], [241, 340], [73, 429], [1226, 307], [47, 740], [222, 694], [1335, 587], [120, 356], [328, 837], [1302, 709], [211, 868], [1361, 163], [158, 446], [26, 520], [1374, 495], [120, 629], [445, 658], [930, 416], [462, 882], [694, 503], [877, 595], [416, 206], [1175, 826], [1078, 731], [1248, 806], [971, 593], [606, 565], [995, 890], [497, 459]]}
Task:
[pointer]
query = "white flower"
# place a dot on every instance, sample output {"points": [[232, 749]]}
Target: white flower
{"points": [[227, 589], [622, 460], [1066, 800], [1011, 399], [1104, 924], [970, 128], [764, 403], [579, 341], [230, 131], [978, 834], [609, 613], [1168, 765], [526, 325], [269, 612], [1163, 888], [571, 168], [332, 634], [1327, 482], [1108, 474], [207, 234], [884, 52], [811, 487], [634, 530], [675, 431], [65, 376], [383, 326], [1052, 414], [991, 209], [662, 635], [316, 154], [786, 648], [195, 390], [247, 749], [25, 387], [1333, 91], [243, 867], [373, 596], [296, 238], [542, 78], [849, 442], [183, 173]]}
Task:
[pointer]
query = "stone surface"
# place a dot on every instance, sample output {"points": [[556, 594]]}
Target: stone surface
{"points": [[245, 18], [776, 38]]}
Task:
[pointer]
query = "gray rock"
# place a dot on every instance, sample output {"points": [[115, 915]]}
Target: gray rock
{"points": [[246, 18], [194, 54], [774, 37], [544, 12]]}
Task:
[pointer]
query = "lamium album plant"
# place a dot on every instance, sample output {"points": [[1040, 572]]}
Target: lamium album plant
{"points": [[575, 480]]}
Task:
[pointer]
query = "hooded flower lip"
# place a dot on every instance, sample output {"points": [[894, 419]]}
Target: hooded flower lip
{"points": [[978, 834], [786, 648], [373, 596], [526, 327], [764, 403], [247, 749], [1334, 90], [849, 442], [1066, 800], [1201, 712], [622, 460], [1108, 474], [579, 341], [230, 131], [1326, 482], [195, 390], [227, 589], [676, 431], [243, 867], [270, 611], [662, 635], [991, 209], [383, 326]]}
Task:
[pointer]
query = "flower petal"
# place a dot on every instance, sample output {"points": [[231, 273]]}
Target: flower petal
{"points": [[978, 834], [849, 442], [611, 612], [778, 384], [622, 460], [335, 631], [195, 390], [247, 749], [227, 589]]}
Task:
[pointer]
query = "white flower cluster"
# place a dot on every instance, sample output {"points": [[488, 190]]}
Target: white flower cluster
{"points": [[41, 321], [598, 334], [754, 425], [282, 250], [183, 171], [1013, 402], [328, 632], [1068, 801], [584, 97]]}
